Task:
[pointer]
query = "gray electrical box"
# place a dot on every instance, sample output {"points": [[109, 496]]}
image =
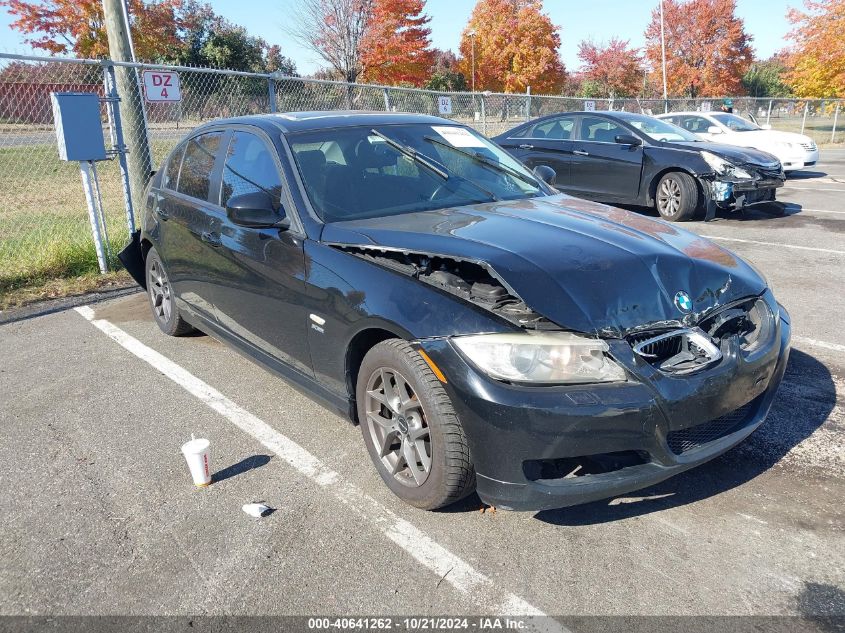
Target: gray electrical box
{"points": [[79, 130]]}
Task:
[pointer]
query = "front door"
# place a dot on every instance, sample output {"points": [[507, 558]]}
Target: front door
{"points": [[259, 280], [600, 167]]}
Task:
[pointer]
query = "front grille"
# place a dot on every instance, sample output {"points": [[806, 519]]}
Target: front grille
{"points": [[662, 349], [685, 440]]}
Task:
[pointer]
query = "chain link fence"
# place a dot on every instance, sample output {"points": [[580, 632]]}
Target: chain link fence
{"points": [[44, 226]]}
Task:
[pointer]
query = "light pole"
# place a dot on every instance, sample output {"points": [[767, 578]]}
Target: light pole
{"points": [[472, 39], [663, 53]]}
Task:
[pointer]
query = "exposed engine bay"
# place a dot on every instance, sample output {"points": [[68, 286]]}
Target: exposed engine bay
{"points": [[472, 281]]}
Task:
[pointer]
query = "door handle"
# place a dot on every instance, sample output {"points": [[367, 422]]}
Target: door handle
{"points": [[580, 152], [211, 238], [524, 146]]}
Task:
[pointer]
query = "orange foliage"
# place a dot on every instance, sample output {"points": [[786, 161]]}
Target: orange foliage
{"points": [[396, 47], [77, 26], [817, 60], [707, 48], [615, 67], [516, 46]]}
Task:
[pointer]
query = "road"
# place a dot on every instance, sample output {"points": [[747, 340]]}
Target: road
{"points": [[100, 516]]}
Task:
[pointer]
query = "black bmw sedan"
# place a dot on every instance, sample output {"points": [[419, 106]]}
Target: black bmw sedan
{"points": [[636, 159], [486, 332]]}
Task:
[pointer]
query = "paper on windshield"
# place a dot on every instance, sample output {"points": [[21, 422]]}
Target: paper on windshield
{"points": [[457, 136]]}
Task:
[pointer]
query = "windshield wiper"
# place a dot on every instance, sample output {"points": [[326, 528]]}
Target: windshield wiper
{"points": [[413, 154], [481, 158], [428, 163]]}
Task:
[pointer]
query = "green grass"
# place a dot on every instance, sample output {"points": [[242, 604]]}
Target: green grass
{"points": [[45, 232]]}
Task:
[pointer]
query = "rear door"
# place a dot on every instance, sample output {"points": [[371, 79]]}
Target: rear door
{"points": [[259, 274], [600, 167], [548, 142], [189, 222]]}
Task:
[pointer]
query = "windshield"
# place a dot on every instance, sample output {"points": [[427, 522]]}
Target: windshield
{"points": [[735, 123], [658, 130], [366, 172]]}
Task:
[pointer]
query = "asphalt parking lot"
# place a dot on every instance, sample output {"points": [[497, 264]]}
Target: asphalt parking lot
{"points": [[100, 517]]}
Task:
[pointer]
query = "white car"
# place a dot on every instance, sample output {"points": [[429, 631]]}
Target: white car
{"points": [[795, 151]]}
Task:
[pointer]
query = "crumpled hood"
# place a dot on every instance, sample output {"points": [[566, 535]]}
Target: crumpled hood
{"points": [[585, 266], [733, 153]]}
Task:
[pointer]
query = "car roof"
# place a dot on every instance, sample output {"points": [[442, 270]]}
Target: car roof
{"points": [[686, 113], [290, 122]]}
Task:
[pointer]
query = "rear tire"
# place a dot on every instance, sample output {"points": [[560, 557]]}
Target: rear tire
{"points": [[676, 197], [161, 298], [406, 416]]}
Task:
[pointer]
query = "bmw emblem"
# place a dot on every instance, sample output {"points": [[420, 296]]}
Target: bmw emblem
{"points": [[683, 302]]}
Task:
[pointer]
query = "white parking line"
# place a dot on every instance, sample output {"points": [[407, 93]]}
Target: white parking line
{"points": [[835, 347], [791, 188], [446, 565], [804, 210], [803, 248]]}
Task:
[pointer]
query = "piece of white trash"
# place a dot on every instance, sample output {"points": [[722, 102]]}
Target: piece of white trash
{"points": [[256, 510]]}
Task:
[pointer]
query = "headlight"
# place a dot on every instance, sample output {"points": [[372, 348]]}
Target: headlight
{"points": [[541, 357], [723, 167]]}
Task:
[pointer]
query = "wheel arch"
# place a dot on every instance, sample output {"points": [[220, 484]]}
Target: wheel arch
{"points": [[655, 180], [361, 343]]}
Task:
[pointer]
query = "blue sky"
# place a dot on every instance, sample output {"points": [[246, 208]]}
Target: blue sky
{"points": [[599, 19]]}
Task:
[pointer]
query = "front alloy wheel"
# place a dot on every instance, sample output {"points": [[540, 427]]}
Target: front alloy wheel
{"points": [[396, 423], [410, 428], [676, 198]]}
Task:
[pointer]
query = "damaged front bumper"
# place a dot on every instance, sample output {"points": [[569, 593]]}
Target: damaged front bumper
{"points": [[739, 193], [539, 447]]}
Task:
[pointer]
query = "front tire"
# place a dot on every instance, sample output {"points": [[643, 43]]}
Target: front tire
{"points": [[676, 198], [410, 428], [162, 299]]}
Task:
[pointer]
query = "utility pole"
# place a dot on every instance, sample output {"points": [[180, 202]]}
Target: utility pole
{"points": [[131, 100], [663, 51], [472, 39]]}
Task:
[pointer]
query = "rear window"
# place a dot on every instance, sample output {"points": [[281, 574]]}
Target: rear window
{"points": [[171, 171], [195, 176]]}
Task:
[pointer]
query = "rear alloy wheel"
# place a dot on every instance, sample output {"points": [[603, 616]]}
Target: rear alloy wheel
{"points": [[410, 429], [676, 198], [162, 301]]}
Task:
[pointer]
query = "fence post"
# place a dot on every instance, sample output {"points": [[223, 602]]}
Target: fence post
{"points": [[527, 103], [112, 99], [271, 90], [483, 116], [386, 99], [835, 120], [85, 168], [769, 113], [804, 120]]}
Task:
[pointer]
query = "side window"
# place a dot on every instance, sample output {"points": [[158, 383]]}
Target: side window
{"points": [[696, 124], [599, 130], [171, 172], [559, 128], [250, 167], [195, 177]]}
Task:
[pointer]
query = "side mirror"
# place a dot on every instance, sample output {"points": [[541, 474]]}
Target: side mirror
{"points": [[628, 139], [255, 210], [714, 129], [546, 174]]}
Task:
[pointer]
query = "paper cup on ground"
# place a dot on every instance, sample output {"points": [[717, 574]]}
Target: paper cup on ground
{"points": [[196, 454]]}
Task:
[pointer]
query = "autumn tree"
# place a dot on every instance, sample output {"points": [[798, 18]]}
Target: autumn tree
{"points": [[77, 26], [334, 30], [396, 48], [615, 68], [444, 74], [707, 48], [516, 46], [817, 57]]}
